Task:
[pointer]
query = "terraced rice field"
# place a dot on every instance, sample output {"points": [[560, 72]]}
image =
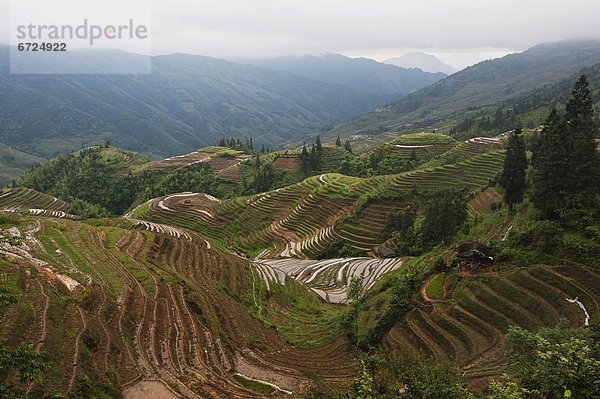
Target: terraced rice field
{"points": [[484, 200], [179, 161], [465, 150], [424, 145], [468, 324], [301, 220], [331, 278], [286, 163], [155, 308], [223, 164], [26, 201]]}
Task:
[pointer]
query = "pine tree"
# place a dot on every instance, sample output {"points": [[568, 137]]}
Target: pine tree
{"points": [[304, 160], [319, 145], [550, 177], [338, 142], [347, 146], [584, 165], [314, 158], [413, 155], [515, 165], [566, 163]]}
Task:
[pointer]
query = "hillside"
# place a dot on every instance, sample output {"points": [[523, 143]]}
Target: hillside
{"points": [[13, 162], [432, 264], [361, 74], [188, 102], [189, 295], [487, 84]]}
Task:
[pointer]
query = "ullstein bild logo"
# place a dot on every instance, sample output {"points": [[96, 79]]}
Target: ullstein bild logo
{"points": [[86, 31], [80, 37]]}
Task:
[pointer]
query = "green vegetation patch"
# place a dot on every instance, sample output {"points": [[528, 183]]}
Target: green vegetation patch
{"points": [[435, 288], [423, 139], [254, 385]]}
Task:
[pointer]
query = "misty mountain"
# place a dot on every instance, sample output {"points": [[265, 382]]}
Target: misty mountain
{"points": [[361, 74], [489, 83], [425, 62], [186, 103]]}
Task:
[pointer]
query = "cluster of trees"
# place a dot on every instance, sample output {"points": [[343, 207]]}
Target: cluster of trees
{"points": [[557, 362], [263, 176], [376, 163], [310, 161], [237, 144], [502, 121], [347, 145], [433, 220], [565, 164]]}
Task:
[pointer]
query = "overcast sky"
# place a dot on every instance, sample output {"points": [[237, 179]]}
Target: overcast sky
{"points": [[459, 32]]}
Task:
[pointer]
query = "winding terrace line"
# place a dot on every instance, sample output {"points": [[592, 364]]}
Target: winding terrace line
{"points": [[76, 354]]}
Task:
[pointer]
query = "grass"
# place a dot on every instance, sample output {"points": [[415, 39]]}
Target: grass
{"points": [[299, 316], [255, 385], [423, 138], [435, 288]]}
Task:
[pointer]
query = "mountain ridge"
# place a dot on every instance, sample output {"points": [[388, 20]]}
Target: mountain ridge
{"points": [[423, 61], [362, 74], [487, 83]]}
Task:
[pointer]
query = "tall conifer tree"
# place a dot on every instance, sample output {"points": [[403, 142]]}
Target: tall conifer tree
{"points": [[550, 162], [584, 165], [515, 165]]}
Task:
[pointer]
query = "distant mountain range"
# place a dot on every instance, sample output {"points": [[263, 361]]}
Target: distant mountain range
{"points": [[499, 82], [188, 102], [361, 74], [425, 62]]}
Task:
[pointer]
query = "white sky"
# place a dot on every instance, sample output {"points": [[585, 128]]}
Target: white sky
{"points": [[460, 32]]}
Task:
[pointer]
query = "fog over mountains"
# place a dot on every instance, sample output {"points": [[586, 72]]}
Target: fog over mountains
{"points": [[425, 62]]}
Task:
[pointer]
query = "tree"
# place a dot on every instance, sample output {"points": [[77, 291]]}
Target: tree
{"points": [[363, 385], [313, 159], [550, 178], [413, 155], [445, 211], [416, 377], [22, 364], [515, 165], [338, 142], [257, 162], [304, 161], [566, 165], [584, 161], [356, 286], [347, 146], [557, 362], [319, 145]]}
